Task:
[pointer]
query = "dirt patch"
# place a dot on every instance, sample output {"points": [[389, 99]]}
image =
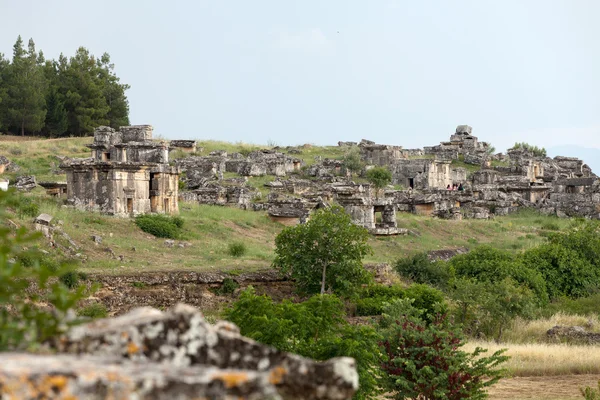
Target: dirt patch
{"points": [[543, 387]]}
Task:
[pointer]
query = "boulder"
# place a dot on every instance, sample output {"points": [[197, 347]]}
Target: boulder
{"points": [[182, 338], [26, 182]]}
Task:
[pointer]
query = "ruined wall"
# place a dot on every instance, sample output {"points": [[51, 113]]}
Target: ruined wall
{"points": [[379, 154], [110, 191]]}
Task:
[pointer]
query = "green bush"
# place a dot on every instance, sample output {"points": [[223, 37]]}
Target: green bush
{"points": [[535, 150], [420, 269], [486, 264], [426, 298], [70, 279], [565, 270], [315, 328], [229, 286], [94, 310], [371, 299], [22, 322], [160, 225], [236, 249], [590, 393]]}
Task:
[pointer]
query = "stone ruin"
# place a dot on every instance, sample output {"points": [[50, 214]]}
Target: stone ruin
{"points": [[187, 146], [128, 174], [176, 354]]}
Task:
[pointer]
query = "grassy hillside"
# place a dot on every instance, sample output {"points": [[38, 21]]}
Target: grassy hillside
{"points": [[209, 230]]}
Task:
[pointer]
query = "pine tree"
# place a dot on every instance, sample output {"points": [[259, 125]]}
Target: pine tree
{"points": [[82, 90], [4, 64], [57, 121], [26, 84], [114, 93]]}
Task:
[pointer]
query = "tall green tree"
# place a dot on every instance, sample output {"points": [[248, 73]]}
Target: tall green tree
{"points": [[26, 87], [57, 121], [114, 94], [83, 91], [4, 65], [325, 253]]}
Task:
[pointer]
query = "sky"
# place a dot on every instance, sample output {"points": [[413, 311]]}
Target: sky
{"points": [[294, 72]]}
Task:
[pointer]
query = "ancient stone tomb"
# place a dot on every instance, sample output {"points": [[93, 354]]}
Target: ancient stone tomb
{"points": [[128, 174]]}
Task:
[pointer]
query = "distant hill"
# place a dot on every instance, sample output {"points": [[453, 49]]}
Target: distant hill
{"points": [[590, 155]]}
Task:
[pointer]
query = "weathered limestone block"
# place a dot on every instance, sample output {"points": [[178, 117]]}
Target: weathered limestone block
{"points": [[25, 183], [32, 377], [250, 168], [181, 337], [464, 130]]}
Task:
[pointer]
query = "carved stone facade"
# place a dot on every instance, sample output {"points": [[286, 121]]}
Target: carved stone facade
{"points": [[128, 174]]}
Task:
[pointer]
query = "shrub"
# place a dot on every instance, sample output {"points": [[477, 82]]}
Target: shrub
{"points": [[566, 271], [315, 328], [426, 298], [371, 299], [420, 269], [15, 151], [487, 264], [379, 177], [159, 225], [94, 310], [486, 308], [536, 151], [422, 359], [236, 249], [229, 286], [590, 393], [70, 279], [22, 322]]}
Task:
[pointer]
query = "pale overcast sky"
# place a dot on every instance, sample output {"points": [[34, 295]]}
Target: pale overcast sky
{"points": [[293, 72]]}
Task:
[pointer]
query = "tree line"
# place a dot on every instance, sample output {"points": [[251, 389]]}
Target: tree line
{"points": [[56, 98]]}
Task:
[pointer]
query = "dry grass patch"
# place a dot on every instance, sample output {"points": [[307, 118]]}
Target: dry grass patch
{"points": [[522, 331], [545, 359]]}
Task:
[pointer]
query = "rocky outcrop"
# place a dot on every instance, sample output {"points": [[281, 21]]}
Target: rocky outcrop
{"points": [[576, 334], [217, 356], [29, 377]]}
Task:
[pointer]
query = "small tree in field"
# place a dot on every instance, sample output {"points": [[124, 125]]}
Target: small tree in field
{"points": [[352, 160], [422, 359], [324, 253], [379, 177]]}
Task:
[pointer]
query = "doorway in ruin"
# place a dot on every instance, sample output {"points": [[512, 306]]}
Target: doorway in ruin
{"points": [[167, 206], [105, 156], [130, 205], [411, 183], [152, 193], [378, 215]]}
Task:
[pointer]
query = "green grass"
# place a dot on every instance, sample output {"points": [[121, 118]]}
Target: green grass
{"points": [[38, 157], [209, 230], [469, 167]]}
